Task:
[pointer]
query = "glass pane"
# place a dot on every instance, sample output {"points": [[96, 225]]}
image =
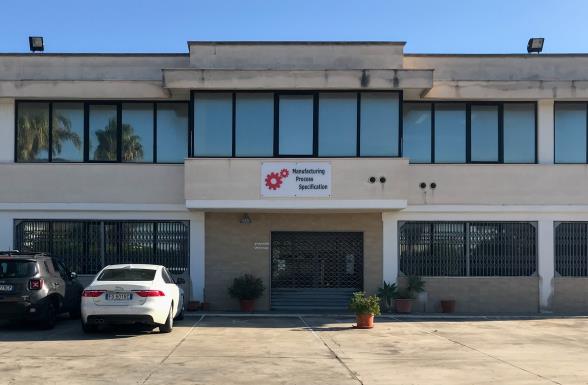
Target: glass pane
{"points": [[519, 133], [570, 133], [213, 124], [33, 132], [296, 125], [68, 132], [338, 124], [417, 132], [103, 137], [484, 134], [379, 124], [137, 132], [172, 132], [254, 125], [450, 133]]}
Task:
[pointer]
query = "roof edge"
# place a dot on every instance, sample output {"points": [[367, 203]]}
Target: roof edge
{"points": [[294, 42]]}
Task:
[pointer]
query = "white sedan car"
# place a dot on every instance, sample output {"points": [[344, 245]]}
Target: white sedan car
{"points": [[127, 294]]}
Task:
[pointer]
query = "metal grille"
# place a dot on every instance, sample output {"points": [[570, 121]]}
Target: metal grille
{"points": [[317, 260], [571, 249], [87, 246], [479, 249]]}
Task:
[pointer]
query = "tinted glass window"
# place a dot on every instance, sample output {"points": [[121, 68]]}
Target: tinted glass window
{"points": [[296, 125], [450, 133], [417, 132], [379, 124], [17, 269], [103, 133], [337, 124], [68, 132], [484, 133], [172, 132], [254, 125], [137, 132], [33, 132], [127, 275], [570, 133], [213, 124], [519, 133]]}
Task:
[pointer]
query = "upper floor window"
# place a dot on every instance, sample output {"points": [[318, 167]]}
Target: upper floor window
{"points": [[296, 124], [101, 131], [451, 132], [570, 132]]}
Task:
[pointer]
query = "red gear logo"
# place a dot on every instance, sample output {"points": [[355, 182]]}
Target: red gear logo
{"points": [[284, 173], [273, 181]]}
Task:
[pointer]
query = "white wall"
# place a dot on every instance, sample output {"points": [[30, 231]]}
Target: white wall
{"points": [[545, 131], [6, 130]]}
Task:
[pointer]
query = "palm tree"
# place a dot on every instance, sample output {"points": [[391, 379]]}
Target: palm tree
{"points": [[33, 135], [132, 149]]}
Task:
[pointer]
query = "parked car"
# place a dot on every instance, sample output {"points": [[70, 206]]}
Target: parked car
{"points": [[37, 287], [132, 294]]}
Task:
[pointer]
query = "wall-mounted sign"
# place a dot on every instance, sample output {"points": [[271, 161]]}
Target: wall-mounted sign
{"points": [[290, 179]]}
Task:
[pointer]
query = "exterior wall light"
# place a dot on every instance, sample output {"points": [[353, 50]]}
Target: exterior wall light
{"points": [[423, 185], [535, 44], [372, 179], [382, 179], [36, 43], [245, 219], [433, 185]]}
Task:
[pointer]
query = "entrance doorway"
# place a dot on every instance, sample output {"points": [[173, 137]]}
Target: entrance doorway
{"points": [[315, 270]]}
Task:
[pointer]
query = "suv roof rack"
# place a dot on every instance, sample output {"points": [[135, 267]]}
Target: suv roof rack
{"points": [[28, 253]]}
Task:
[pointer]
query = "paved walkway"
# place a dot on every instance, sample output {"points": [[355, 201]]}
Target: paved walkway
{"points": [[303, 350]]}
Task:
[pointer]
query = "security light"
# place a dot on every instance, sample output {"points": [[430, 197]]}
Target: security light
{"points": [[535, 44], [245, 219], [36, 43]]}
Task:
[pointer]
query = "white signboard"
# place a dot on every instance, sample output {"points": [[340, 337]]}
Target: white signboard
{"points": [[290, 179]]}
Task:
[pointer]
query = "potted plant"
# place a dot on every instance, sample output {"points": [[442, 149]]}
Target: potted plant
{"points": [[447, 305], [405, 296], [365, 308], [246, 288], [387, 294]]}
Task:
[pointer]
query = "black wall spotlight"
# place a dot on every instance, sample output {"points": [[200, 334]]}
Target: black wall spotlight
{"points": [[423, 185], [36, 43], [372, 179], [433, 185], [382, 179], [535, 44]]}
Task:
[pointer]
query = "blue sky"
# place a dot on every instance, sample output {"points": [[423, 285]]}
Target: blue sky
{"points": [[428, 26]]}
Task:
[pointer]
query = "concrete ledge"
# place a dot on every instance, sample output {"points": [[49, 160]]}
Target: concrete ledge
{"points": [[297, 204], [364, 79]]}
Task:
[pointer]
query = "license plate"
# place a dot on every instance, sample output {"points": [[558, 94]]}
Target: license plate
{"points": [[119, 296], [6, 287]]}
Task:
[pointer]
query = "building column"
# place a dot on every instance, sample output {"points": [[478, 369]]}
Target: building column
{"points": [[6, 231], [7, 131], [197, 256], [546, 265], [545, 131], [390, 246]]}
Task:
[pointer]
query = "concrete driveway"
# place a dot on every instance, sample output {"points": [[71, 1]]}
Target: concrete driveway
{"points": [[302, 350]]}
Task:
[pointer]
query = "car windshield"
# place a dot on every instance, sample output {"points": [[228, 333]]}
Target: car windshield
{"points": [[17, 269], [126, 274]]}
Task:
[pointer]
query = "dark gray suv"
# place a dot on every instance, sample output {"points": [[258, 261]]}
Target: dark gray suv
{"points": [[37, 287]]}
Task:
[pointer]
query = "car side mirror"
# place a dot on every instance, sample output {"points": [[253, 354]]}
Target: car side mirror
{"points": [[73, 275], [180, 281]]}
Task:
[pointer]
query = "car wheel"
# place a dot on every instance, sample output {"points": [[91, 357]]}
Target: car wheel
{"points": [[169, 322], [50, 317], [180, 315], [88, 328]]}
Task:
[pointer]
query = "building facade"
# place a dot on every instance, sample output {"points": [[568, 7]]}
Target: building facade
{"points": [[322, 168]]}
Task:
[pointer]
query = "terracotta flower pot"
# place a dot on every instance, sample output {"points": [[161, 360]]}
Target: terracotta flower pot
{"points": [[447, 305], [403, 305], [247, 305], [365, 321]]}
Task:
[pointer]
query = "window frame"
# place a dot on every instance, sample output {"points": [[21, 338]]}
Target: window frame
{"points": [[86, 132], [316, 100], [585, 103], [468, 104]]}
